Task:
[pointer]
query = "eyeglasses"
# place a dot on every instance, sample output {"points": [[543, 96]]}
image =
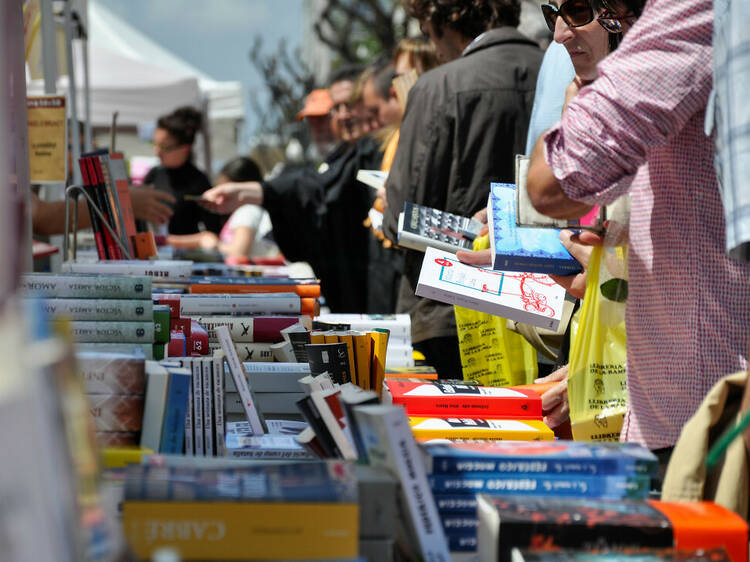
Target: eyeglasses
{"points": [[166, 148], [577, 13]]}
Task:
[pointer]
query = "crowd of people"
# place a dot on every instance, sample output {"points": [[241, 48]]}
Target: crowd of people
{"points": [[615, 107]]}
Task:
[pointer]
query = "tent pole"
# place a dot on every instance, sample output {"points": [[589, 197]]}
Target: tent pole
{"points": [[73, 93], [49, 50], [86, 92]]}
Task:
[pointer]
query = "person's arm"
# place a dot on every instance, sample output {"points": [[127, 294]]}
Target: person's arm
{"points": [[48, 217], [225, 198], [206, 240], [242, 241]]}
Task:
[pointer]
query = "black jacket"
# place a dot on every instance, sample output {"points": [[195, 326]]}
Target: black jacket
{"points": [[464, 123], [318, 218]]}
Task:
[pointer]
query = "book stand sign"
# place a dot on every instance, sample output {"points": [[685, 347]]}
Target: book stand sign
{"points": [[72, 192], [48, 139]]}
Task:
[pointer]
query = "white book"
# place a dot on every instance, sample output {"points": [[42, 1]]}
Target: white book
{"points": [[342, 442], [197, 366], [238, 374], [390, 445], [398, 324], [208, 407], [162, 270], [157, 381], [373, 178], [531, 298], [255, 303], [218, 381]]}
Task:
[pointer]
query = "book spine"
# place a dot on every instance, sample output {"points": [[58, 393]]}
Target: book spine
{"points": [[198, 339], [97, 184], [471, 407], [269, 454], [173, 431], [114, 200], [86, 286], [261, 329], [121, 310], [142, 350], [189, 436], [309, 291], [120, 177], [208, 408], [95, 226], [235, 368], [198, 406], [206, 305], [447, 464], [161, 269], [343, 444], [218, 384], [115, 412], [248, 352], [101, 331], [456, 503]]}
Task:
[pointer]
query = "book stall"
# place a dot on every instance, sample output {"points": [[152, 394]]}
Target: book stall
{"points": [[158, 404]]}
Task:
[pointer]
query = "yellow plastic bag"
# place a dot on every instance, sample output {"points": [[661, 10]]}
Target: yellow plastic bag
{"points": [[490, 353], [597, 388]]}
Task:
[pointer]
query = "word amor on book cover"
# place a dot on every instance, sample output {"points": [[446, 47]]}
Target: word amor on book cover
{"points": [[531, 298]]}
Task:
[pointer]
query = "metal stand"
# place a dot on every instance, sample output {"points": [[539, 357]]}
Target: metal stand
{"points": [[72, 192]]}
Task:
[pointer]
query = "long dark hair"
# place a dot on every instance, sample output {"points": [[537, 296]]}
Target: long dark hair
{"points": [[182, 124], [241, 168]]}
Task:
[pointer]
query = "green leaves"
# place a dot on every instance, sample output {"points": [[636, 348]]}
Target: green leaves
{"points": [[615, 290]]}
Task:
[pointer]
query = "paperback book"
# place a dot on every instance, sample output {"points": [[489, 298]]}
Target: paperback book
{"points": [[421, 227]]}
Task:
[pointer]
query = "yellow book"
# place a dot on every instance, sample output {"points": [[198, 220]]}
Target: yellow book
{"points": [[474, 428], [363, 343], [348, 339], [317, 337], [330, 337], [380, 348], [118, 457], [243, 530]]}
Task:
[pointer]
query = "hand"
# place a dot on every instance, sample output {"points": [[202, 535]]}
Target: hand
{"points": [[481, 258], [208, 240], [225, 198], [555, 401], [573, 89], [579, 246], [151, 205], [481, 216]]}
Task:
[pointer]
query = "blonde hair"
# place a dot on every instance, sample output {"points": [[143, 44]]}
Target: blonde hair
{"points": [[420, 52]]}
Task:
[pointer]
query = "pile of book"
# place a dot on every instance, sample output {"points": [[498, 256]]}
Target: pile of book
{"points": [[107, 312], [458, 471], [459, 411]]}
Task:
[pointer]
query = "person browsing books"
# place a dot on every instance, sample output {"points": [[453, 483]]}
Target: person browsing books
{"points": [[638, 129], [464, 122], [177, 175]]}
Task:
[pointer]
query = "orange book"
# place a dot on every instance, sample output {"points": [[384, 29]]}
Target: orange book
{"points": [[377, 372], [317, 337], [363, 343], [309, 306], [348, 339], [426, 373], [310, 290], [145, 245]]}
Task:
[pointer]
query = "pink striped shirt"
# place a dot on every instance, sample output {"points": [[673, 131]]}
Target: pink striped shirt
{"points": [[639, 129]]}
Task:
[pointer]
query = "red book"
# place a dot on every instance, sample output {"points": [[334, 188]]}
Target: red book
{"points": [[173, 301], [113, 251], [183, 325], [198, 339], [119, 175], [436, 399], [177, 346], [95, 226]]}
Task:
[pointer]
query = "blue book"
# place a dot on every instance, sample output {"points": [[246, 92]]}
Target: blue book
{"points": [[526, 249], [543, 457], [604, 487], [462, 542], [173, 428], [456, 504]]}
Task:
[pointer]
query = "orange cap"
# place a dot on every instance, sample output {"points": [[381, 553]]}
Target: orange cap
{"points": [[317, 104]]}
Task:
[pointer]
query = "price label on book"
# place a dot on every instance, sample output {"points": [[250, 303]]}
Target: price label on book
{"points": [[48, 145]]}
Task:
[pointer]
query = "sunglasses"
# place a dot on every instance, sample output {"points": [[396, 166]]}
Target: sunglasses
{"points": [[577, 13]]}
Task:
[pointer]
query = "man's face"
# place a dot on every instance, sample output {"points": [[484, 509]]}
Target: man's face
{"points": [[344, 123], [448, 45], [384, 111], [587, 46], [320, 130]]}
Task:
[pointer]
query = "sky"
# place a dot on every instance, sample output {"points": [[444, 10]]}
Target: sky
{"points": [[216, 35]]}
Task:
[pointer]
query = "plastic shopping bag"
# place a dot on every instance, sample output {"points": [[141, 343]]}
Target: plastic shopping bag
{"points": [[597, 388], [491, 354]]}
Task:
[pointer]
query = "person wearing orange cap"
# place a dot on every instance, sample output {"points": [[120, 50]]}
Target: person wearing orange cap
{"points": [[317, 112]]}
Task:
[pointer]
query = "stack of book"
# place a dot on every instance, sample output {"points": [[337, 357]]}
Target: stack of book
{"points": [[306, 510], [115, 386], [186, 337], [442, 410], [112, 313], [166, 407], [458, 471], [400, 351]]}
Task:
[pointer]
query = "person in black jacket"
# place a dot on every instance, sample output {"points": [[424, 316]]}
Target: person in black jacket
{"points": [[464, 122], [177, 175]]}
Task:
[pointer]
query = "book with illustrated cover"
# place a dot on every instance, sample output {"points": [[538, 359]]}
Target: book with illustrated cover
{"points": [[421, 227], [527, 249], [558, 457], [436, 399], [111, 373], [531, 298], [476, 428], [506, 522]]}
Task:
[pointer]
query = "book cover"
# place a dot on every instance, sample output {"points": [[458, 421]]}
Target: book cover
{"points": [[531, 298], [108, 201], [334, 427], [244, 285], [238, 374], [374, 178], [92, 286], [116, 412], [579, 485], [331, 358], [241, 531], [197, 391], [218, 389], [142, 350], [102, 331], [119, 175], [534, 250], [111, 373], [247, 352], [421, 227], [310, 413], [267, 446], [162, 323], [99, 197], [558, 457], [248, 329], [506, 522], [398, 324], [163, 270], [477, 428], [436, 399], [173, 429], [120, 310], [391, 446], [87, 182], [632, 554], [198, 340]]}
